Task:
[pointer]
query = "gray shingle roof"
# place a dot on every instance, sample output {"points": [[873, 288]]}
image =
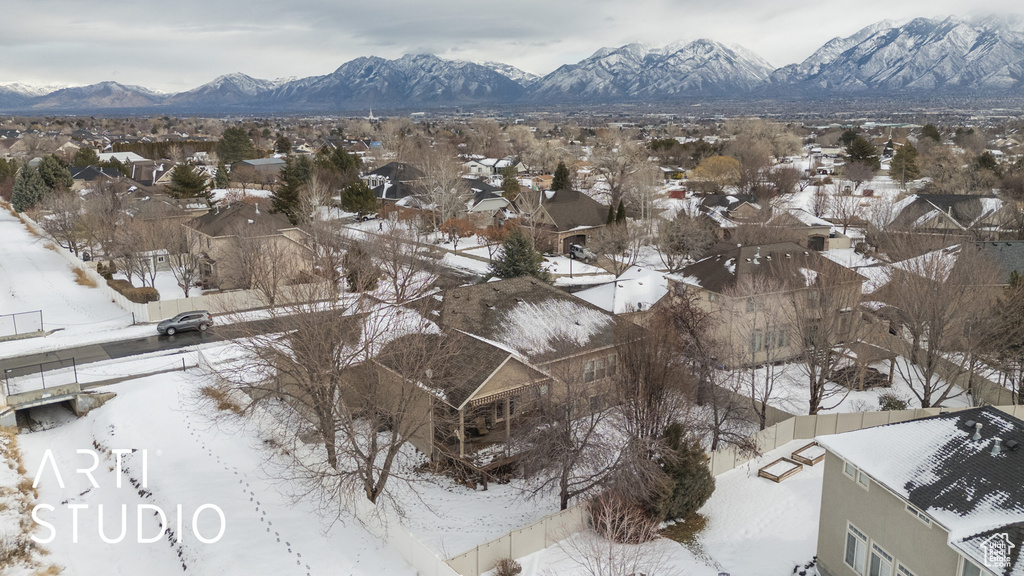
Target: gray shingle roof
{"points": [[537, 321], [227, 220], [726, 264], [937, 465]]}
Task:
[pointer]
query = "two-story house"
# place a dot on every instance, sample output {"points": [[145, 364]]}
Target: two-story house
{"points": [[939, 496], [756, 295], [227, 235]]}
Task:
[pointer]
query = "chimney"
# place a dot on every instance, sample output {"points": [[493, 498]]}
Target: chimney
{"points": [[995, 447], [977, 432]]}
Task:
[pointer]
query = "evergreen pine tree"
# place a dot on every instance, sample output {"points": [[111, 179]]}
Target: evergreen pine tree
{"points": [[359, 198], [904, 164], [509, 183], [690, 482], [188, 182], [221, 180], [283, 145], [611, 214], [561, 178], [29, 189], [295, 174], [235, 145], [86, 157], [519, 258], [930, 131], [620, 214], [55, 174], [864, 152]]}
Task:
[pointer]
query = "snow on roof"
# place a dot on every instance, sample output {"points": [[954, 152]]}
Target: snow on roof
{"points": [[808, 218], [535, 328], [810, 276], [935, 265], [937, 465], [638, 288]]}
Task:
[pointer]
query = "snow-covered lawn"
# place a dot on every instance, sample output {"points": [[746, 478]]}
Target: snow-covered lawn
{"points": [[792, 394], [755, 527], [466, 264], [35, 278], [192, 461]]}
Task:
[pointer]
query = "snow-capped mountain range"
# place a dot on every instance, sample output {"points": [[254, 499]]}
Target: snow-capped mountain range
{"points": [[920, 57]]}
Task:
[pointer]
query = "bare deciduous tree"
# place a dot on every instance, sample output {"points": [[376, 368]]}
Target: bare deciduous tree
{"points": [[444, 186], [344, 384], [568, 440], [620, 540], [620, 244], [65, 219], [759, 323], [939, 304], [683, 240], [823, 313]]}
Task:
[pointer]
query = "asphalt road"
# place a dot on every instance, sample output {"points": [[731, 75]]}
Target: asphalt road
{"points": [[124, 348]]}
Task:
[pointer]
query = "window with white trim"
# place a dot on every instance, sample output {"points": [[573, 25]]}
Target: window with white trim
{"points": [[881, 562], [969, 568], [863, 479], [856, 549], [919, 515], [904, 571], [850, 470]]}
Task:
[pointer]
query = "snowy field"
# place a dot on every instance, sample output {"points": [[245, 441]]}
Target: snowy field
{"points": [[35, 278], [192, 460], [755, 527]]}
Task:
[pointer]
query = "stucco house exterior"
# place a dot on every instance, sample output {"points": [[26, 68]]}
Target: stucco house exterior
{"points": [[222, 232], [569, 216], [750, 291], [938, 496]]}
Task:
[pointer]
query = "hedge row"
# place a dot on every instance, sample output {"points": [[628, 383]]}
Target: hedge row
{"points": [[138, 295]]}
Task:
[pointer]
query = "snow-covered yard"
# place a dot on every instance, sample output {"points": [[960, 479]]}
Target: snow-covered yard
{"points": [[192, 460], [755, 527], [33, 277], [791, 392]]}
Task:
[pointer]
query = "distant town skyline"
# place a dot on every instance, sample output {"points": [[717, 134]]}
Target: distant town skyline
{"points": [[176, 46]]}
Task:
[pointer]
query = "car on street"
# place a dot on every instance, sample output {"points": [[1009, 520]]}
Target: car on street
{"points": [[194, 320]]}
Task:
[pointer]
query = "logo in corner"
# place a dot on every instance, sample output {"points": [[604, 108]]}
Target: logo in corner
{"points": [[997, 550]]}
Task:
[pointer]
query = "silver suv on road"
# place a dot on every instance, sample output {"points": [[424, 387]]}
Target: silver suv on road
{"points": [[194, 320]]}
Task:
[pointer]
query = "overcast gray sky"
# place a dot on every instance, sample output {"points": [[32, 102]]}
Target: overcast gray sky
{"points": [[179, 44]]}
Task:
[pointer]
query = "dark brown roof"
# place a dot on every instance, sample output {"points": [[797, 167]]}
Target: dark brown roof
{"points": [[571, 209], [537, 321], [726, 264], [226, 221], [467, 365], [964, 209]]}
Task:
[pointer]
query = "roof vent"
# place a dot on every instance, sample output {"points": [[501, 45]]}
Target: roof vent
{"points": [[977, 431], [995, 447], [970, 424], [1012, 445]]}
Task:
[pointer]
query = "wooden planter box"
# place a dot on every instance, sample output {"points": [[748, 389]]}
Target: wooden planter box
{"points": [[780, 469], [810, 454]]}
